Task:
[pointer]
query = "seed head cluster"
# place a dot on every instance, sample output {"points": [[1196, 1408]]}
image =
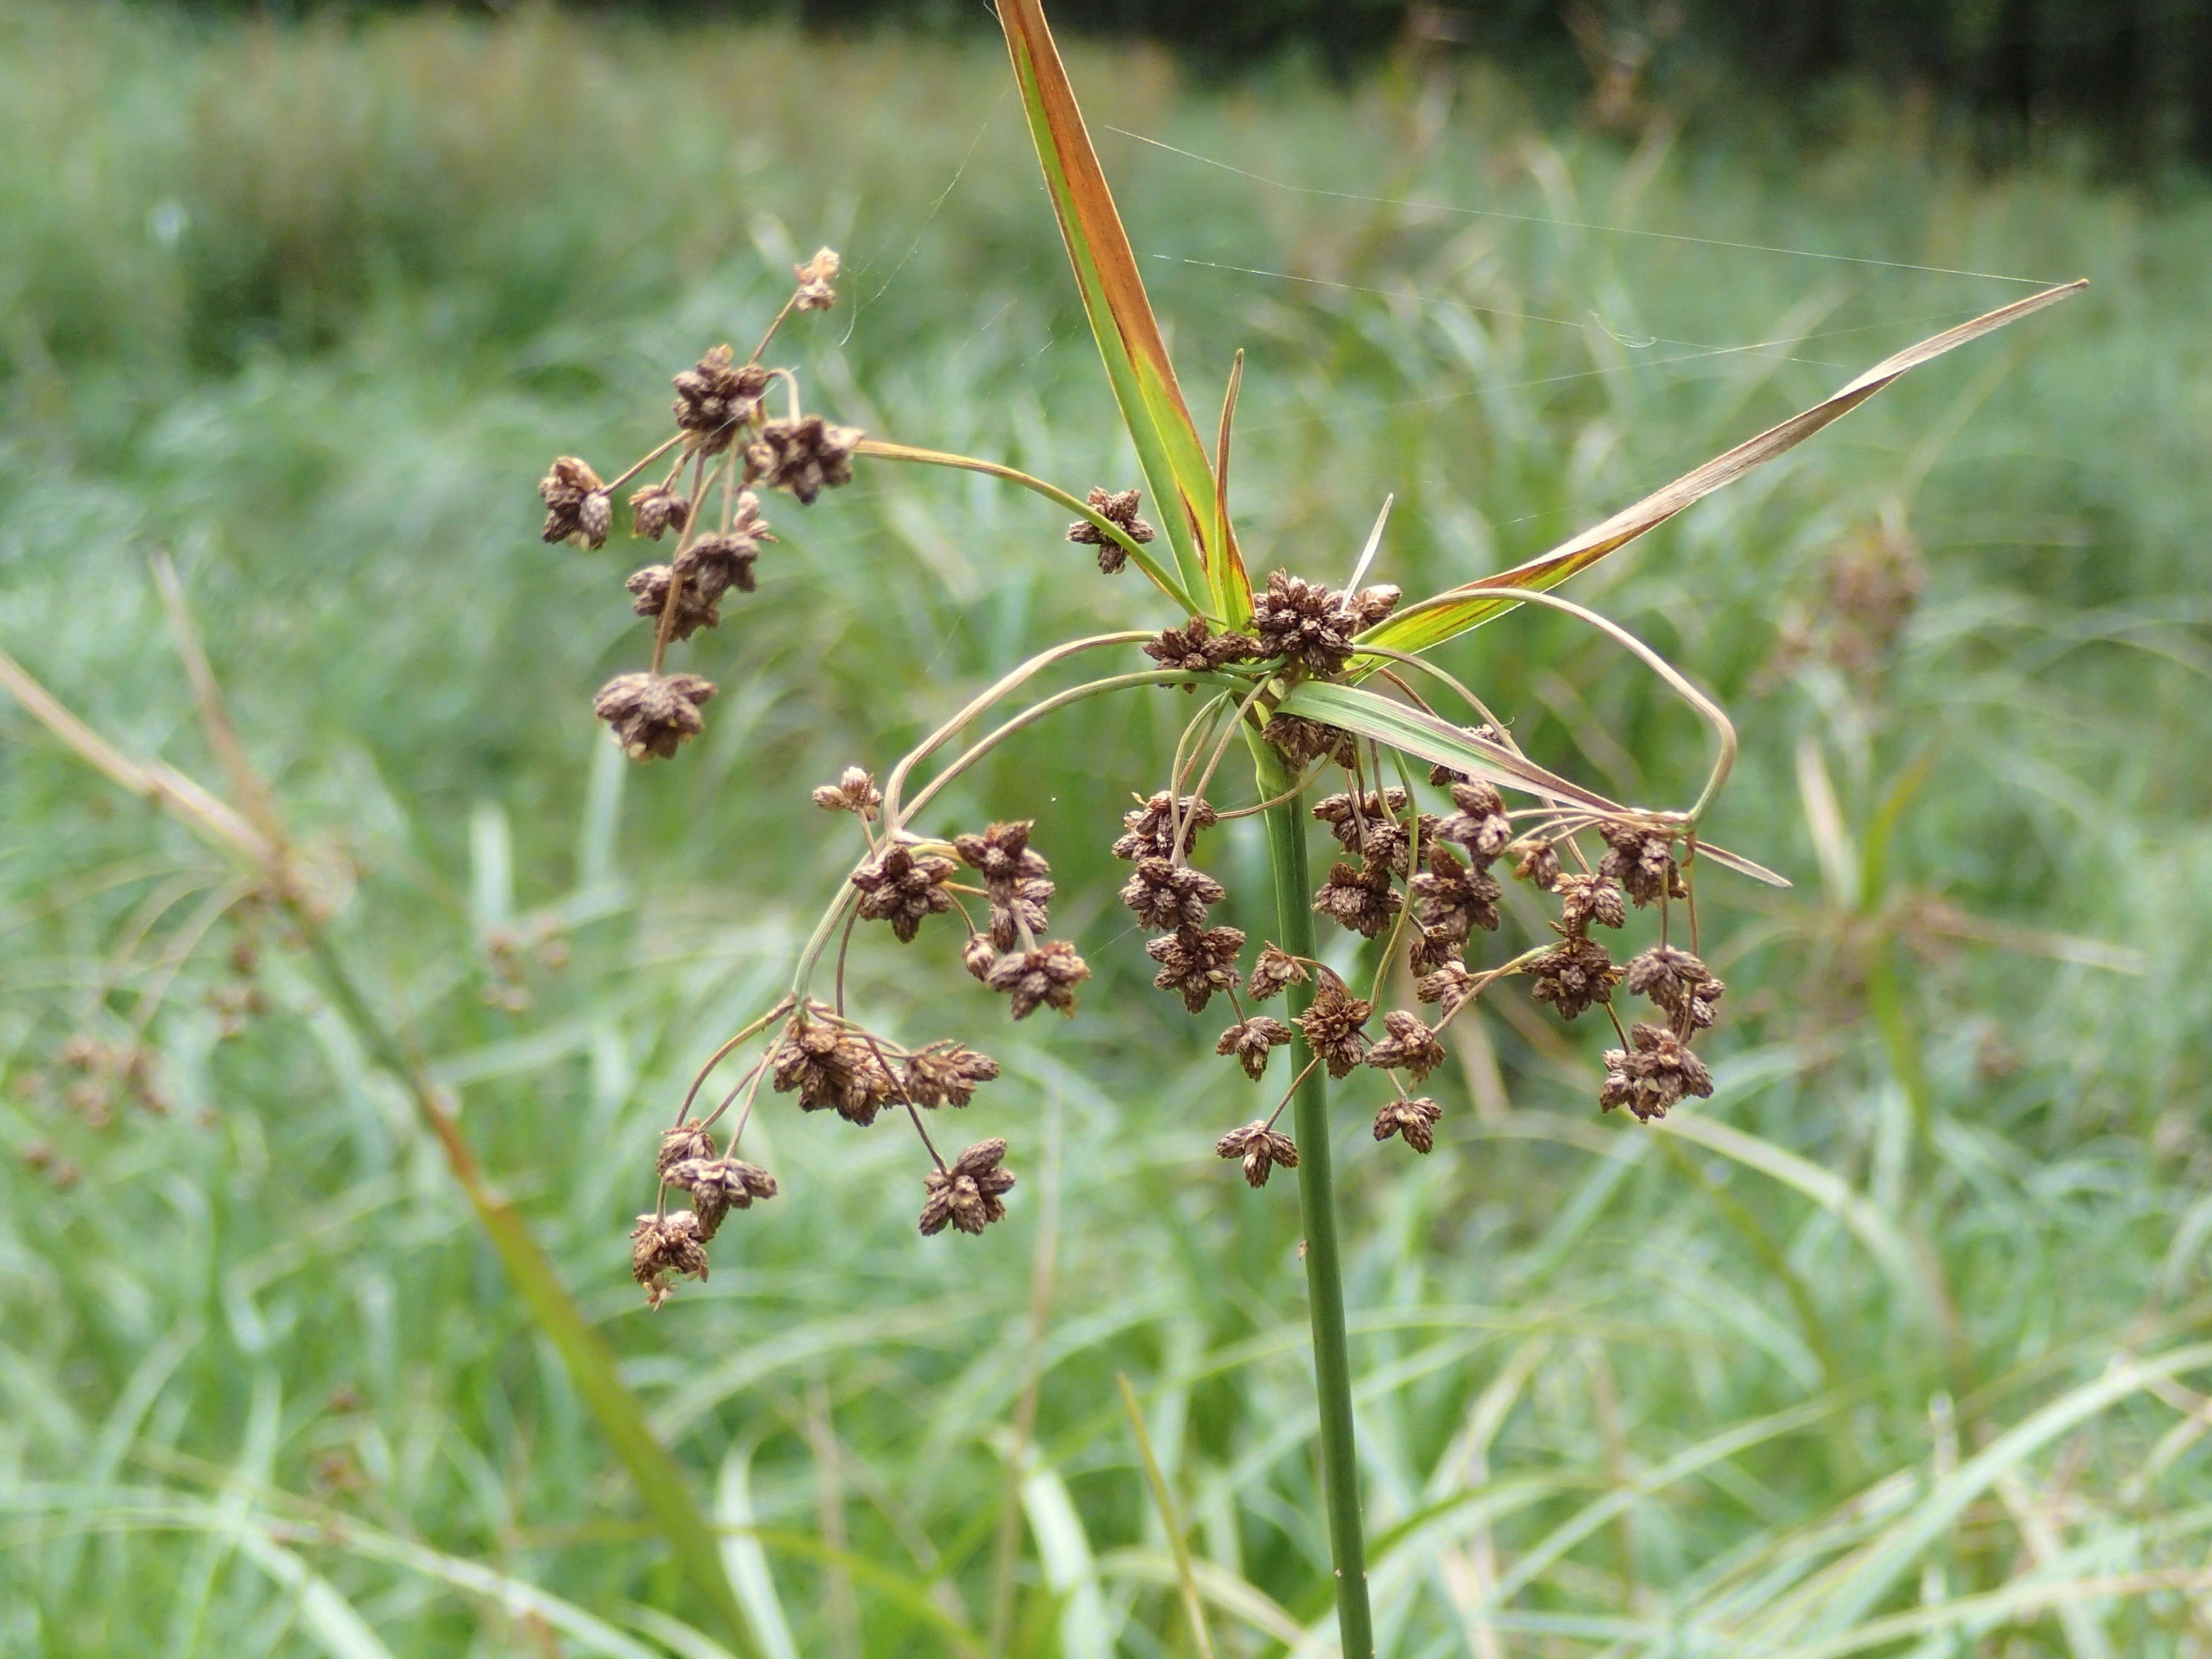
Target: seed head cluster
{"points": [[724, 440]]}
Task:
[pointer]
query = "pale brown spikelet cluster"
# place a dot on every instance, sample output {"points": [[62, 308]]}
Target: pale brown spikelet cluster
{"points": [[724, 442]]}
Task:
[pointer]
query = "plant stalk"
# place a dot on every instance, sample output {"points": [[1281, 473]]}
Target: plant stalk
{"points": [[1339, 1456]]}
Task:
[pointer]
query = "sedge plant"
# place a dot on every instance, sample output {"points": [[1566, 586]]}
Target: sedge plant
{"points": [[1324, 685]]}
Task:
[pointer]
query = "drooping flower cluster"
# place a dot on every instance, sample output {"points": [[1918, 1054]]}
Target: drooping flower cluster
{"points": [[727, 440]]}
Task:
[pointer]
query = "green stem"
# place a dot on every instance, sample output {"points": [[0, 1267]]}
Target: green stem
{"points": [[1339, 1457]]}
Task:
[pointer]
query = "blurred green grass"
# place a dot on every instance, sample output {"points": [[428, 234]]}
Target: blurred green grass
{"points": [[310, 308]]}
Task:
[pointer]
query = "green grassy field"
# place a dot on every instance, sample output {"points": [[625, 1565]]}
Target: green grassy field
{"points": [[1893, 1346]]}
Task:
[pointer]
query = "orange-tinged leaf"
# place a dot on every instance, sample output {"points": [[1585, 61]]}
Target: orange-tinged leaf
{"points": [[1169, 448], [1434, 620]]}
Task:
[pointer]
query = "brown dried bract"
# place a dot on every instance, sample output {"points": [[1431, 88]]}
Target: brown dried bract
{"points": [[1261, 1148], [1574, 975], [664, 1244], [1305, 623], [978, 956], [1164, 895], [1002, 853], [1360, 899], [968, 1194], [1415, 1120], [1410, 1047], [1197, 962], [1453, 899], [1149, 832], [806, 456], [945, 1074], [815, 278], [1017, 908], [899, 887], [853, 792], [1276, 968], [694, 610], [1350, 817], [656, 508], [1586, 899], [1678, 982], [1249, 1040], [1653, 1073], [1196, 649], [653, 713], [1118, 507], [1480, 824], [1047, 975], [1642, 860], [718, 1185], [1332, 1026], [713, 398], [576, 506]]}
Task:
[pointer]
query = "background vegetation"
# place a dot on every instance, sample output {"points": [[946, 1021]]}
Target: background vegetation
{"points": [[1897, 1328]]}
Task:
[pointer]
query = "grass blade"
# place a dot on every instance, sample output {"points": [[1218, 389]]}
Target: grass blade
{"points": [[1453, 612], [1176, 1542], [1169, 448]]}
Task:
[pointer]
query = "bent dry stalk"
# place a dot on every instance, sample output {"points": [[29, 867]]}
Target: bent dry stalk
{"points": [[1288, 667]]}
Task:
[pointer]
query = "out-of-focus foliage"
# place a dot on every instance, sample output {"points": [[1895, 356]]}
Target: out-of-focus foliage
{"points": [[312, 308]]}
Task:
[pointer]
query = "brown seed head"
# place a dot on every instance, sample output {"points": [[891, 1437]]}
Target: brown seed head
{"points": [[656, 508], [898, 886], [1449, 986], [1431, 949], [1306, 623], [724, 560], [1002, 853], [1360, 899], [1573, 975], [1249, 1040], [1197, 962], [661, 1245], [1480, 824], [653, 713], [1586, 899], [1332, 1026], [1196, 649], [1680, 983], [1300, 741], [1411, 1046], [1536, 861], [853, 792], [1415, 1120], [1653, 1073], [576, 506], [1350, 818], [832, 1069], [1276, 968], [967, 1194], [815, 278], [1149, 832], [1165, 895], [694, 610], [1018, 906], [715, 396], [979, 955], [806, 456], [945, 1074], [1642, 860], [718, 1185], [1261, 1148], [1045, 976], [687, 1141], [1453, 899], [1118, 507]]}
